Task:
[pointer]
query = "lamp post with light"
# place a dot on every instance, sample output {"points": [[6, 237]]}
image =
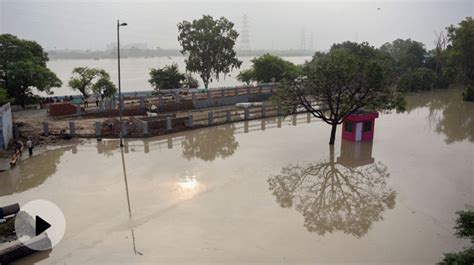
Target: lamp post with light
{"points": [[121, 103]]}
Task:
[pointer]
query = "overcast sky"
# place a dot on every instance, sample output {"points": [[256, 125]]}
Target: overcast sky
{"points": [[272, 24]]}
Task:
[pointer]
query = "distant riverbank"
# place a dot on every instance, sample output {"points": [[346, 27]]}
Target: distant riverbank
{"points": [[135, 71], [152, 53]]}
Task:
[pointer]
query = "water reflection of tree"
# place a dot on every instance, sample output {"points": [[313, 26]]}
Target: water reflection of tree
{"points": [[211, 143], [31, 173], [333, 197], [448, 114]]}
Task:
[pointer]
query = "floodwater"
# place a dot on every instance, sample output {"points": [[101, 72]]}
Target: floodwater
{"points": [[135, 71], [267, 191]]}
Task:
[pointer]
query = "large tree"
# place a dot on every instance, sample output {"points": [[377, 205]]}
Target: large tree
{"points": [[209, 47], [341, 82], [23, 65], [408, 54], [461, 48], [87, 79]]}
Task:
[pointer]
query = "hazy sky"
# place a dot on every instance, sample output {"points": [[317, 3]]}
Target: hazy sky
{"points": [[272, 24]]}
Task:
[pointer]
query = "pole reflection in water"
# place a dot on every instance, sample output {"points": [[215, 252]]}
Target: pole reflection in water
{"points": [[347, 195], [128, 201]]}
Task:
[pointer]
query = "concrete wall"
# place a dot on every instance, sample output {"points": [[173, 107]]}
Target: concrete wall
{"points": [[6, 125]]}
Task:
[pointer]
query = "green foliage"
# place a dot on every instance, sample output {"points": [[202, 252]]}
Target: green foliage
{"points": [[209, 47], [464, 229], [461, 48], [419, 79], [190, 81], [104, 86], [4, 98], [468, 94], [167, 77], [408, 54], [269, 68], [87, 79], [246, 76], [341, 82], [23, 65]]}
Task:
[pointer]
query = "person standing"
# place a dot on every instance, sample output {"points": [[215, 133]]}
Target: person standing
{"points": [[29, 144]]}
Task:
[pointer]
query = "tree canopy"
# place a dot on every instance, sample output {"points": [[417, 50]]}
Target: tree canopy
{"points": [[269, 68], [408, 54], [167, 77], [341, 82], [461, 48], [208, 45], [88, 80], [23, 64]]}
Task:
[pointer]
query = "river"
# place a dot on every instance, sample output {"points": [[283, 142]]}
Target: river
{"points": [[135, 71], [258, 192]]}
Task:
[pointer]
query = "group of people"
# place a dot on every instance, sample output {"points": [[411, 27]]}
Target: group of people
{"points": [[19, 146], [19, 150]]}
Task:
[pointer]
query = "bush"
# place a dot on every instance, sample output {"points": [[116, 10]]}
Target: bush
{"points": [[468, 94], [419, 79], [269, 68], [464, 229], [167, 77]]}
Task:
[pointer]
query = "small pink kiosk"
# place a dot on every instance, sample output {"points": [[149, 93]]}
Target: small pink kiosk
{"points": [[359, 126]]}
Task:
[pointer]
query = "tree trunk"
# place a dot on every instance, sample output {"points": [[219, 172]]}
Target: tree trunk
{"points": [[333, 134]]}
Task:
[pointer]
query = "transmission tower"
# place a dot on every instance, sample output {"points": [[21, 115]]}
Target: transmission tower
{"points": [[244, 34], [311, 41], [303, 40]]}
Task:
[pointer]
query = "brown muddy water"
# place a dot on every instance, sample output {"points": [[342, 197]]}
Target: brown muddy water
{"points": [[256, 193]]}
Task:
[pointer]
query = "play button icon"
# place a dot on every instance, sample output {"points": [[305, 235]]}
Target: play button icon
{"points": [[41, 225]]}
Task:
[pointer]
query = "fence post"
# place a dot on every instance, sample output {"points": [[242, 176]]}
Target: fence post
{"points": [[146, 133], [72, 128], [124, 129], [262, 125], [294, 119], [190, 120], [46, 128], [208, 94], [264, 111], [170, 143], [177, 96], [279, 122], [78, 109], [210, 118], [193, 95], [246, 113], [228, 116], [222, 93], [308, 117], [168, 124], [97, 129], [236, 91], [246, 127]]}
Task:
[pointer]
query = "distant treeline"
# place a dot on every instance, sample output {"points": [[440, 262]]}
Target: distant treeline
{"points": [[158, 52]]}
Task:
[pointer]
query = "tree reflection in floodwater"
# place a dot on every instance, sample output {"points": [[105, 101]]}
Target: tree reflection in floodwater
{"points": [[448, 113], [347, 195], [211, 143], [32, 172]]}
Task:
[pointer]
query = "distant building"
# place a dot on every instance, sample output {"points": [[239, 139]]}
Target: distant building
{"points": [[6, 125]]}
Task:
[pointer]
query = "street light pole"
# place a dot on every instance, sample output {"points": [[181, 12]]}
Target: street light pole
{"points": [[121, 103]]}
